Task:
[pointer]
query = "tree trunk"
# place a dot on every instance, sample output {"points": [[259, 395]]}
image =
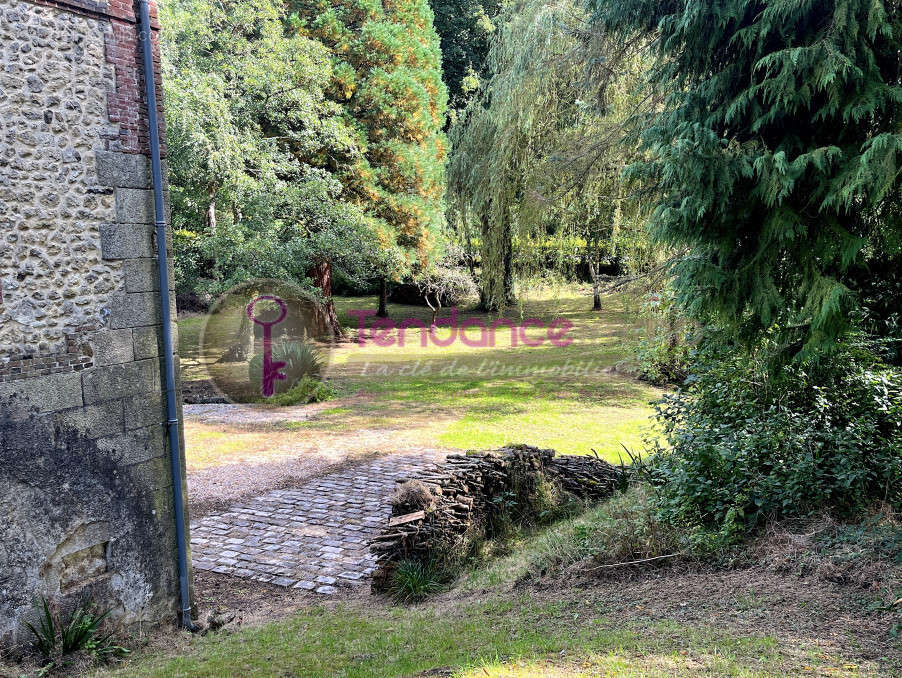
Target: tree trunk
{"points": [[497, 286], [321, 275], [596, 283], [508, 254], [211, 210], [383, 299]]}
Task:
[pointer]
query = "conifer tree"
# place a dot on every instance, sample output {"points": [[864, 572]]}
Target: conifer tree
{"points": [[386, 73], [775, 157]]}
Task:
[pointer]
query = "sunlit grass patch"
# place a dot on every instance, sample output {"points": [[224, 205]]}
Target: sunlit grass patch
{"points": [[571, 398], [215, 444]]}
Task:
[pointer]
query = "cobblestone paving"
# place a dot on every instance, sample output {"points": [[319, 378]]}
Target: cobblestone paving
{"points": [[312, 537]]}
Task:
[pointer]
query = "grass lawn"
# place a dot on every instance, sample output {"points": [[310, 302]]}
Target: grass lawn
{"points": [[514, 636], [463, 396]]}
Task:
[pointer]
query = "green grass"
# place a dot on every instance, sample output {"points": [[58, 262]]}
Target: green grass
{"points": [[463, 397], [519, 636], [621, 529]]}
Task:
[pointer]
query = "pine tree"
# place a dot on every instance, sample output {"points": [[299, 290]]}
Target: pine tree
{"points": [[774, 156], [387, 75]]}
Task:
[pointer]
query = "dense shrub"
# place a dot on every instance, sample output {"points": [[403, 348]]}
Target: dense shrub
{"points": [[742, 443]]}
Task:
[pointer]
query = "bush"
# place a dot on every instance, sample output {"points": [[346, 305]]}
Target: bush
{"points": [[307, 390], [663, 348], [453, 285], [744, 444], [302, 361]]}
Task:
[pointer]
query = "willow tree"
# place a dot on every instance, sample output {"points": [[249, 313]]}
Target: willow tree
{"points": [[386, 74], [537, 157], [775, 159]]}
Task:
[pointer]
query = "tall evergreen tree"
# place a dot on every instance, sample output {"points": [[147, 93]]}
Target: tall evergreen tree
{"points": [[386, 72], [775, 156], [466, 28]]}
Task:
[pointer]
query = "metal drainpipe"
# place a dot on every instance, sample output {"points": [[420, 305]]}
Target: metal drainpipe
{"points": [[165, 301]]}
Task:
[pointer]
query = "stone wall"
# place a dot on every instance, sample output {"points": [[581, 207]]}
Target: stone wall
{"points": [[85, 483]]}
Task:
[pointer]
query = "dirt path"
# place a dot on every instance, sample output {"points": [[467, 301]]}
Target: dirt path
{"points": [[237, 452]]}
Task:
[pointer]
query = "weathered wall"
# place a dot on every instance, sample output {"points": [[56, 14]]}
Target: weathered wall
{"points": [[85, 484]]}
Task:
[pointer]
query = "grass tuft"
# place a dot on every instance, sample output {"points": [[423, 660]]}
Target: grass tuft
{"points": [[413, 581]]}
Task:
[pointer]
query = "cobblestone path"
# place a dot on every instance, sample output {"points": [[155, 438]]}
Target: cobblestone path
{"points": [[312, 537]]}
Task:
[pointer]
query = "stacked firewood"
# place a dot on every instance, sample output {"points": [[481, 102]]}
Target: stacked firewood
{"points": [[446, 506], [585, 477]]}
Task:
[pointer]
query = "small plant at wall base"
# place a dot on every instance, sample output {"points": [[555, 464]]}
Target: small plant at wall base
{"points": [[59, 637]]}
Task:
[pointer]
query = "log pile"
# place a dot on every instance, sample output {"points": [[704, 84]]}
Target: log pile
{"points": [[447, 505], [588, 478]]}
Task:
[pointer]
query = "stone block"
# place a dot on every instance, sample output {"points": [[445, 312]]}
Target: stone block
{"points": [[123, 170], [137, 309], [126, 241], [119, 381], [94, 421], [139, 445], [149, 342], [112, 347], [143, 275], [148, 409], [49, 393], [134, 206]]}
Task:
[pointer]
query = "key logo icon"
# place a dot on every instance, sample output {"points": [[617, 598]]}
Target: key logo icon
{"points": [[270, 367]]}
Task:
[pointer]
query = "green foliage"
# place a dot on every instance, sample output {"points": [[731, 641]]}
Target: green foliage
{"points": [[254, 146], [773, 155], [447, 283], [413, 581], [743, 445], [302, 360], [465, 28], [663, 349], [307, 390], [386, 77], [534, 173], [58, 635]]}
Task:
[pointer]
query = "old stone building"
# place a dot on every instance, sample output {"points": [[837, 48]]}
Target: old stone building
{"points": [[85, 482]]}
